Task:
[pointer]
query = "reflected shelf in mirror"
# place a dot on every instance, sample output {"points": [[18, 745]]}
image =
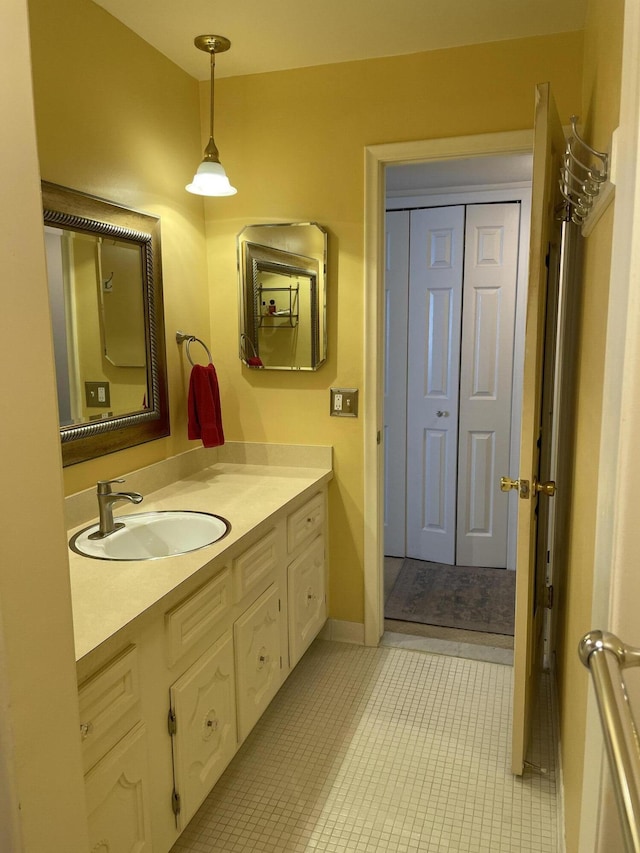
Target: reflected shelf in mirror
{"points": [[282, 279]]}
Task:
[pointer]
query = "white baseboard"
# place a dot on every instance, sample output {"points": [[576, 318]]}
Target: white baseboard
{"points": [[343, 632]]}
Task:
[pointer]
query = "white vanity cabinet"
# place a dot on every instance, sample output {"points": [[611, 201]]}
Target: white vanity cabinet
{"points": [[170, 698]]}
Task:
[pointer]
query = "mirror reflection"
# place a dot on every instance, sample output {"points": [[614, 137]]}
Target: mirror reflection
{"points": [[96, 298], [283, 296], [105, 292]]}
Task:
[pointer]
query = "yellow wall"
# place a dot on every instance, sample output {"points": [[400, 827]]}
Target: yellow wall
{"points": [[117, 119], [41, 788], [293, 144], [600, 99]]}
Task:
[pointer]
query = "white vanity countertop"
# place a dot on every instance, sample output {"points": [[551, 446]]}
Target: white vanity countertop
{"points": [[108, 594]]}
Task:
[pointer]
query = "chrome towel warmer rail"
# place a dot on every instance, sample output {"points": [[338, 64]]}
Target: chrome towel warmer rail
{"points": [[582, 173], [605, 656]]}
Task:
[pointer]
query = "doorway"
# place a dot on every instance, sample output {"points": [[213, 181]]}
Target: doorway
{"points": [[456, 252], [377, 159]]}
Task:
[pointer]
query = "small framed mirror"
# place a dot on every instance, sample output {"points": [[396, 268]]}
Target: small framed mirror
{"points": [[105, 292], [282, 271]]}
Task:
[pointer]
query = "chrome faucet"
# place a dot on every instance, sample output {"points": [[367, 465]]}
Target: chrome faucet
{"points": [[106, 501]]}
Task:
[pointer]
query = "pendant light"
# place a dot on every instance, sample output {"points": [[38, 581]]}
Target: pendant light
{"points": [[210, 177]]}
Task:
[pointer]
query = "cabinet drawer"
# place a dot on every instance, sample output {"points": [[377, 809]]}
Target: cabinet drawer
{"points": [[305, 522], [201, 614], [109, 706], [255, 569]]}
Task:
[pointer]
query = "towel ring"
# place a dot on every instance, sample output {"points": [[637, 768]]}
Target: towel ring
{"points": [[181, 337], [252, 360]]}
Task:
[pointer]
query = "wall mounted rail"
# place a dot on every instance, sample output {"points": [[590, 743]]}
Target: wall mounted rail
{"points": [[605, 656], [583, 173]]}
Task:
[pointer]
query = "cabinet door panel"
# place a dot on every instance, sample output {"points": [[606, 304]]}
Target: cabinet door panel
{"points": [[257, 646], [307, 601], [117, 798], [203, 702]]}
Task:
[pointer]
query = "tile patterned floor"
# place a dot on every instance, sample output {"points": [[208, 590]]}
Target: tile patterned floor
{"points": [[383, 750]]}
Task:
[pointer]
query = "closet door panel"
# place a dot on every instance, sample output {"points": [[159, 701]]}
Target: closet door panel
{"points": [[435, 310], [395, 380], [488, 323]]}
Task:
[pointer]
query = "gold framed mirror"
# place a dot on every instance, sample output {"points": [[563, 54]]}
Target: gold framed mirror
{"points": [[282, 272], [105, 291]]}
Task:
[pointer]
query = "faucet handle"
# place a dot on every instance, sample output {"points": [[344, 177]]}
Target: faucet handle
{"points": [[104, 486]]}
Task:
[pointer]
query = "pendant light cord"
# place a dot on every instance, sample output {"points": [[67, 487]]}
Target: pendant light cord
{"points": [[213, 65]]}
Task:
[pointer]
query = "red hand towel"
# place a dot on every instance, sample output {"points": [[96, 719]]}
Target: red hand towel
{"points": [[204, 415]]}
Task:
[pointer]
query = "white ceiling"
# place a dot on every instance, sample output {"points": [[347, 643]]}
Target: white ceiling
{"points": [[475, 171], [271, 35]]}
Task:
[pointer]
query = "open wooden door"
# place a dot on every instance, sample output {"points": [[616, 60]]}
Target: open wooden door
{"points": [[537, 405]]}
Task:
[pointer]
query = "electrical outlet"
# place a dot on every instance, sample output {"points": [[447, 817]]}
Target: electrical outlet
{"points": [[344, 402]]}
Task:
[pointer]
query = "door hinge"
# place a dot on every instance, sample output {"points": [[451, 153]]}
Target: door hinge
{"points": [[279, 606], [549, 601], [378, 437], [172, 722], [280, 661], [175, 802], [536, 768]]}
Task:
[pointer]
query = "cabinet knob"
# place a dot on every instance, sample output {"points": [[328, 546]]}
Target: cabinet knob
{"points": [[211, 724], [85, 730]]}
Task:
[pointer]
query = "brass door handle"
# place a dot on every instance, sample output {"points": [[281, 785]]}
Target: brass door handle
{"points": [[548, 488], [506, 484]]}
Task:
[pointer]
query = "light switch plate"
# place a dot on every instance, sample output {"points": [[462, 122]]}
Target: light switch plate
{"points": [[97, 394], [344, 402]]}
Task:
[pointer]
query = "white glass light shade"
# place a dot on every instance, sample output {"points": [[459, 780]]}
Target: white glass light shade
{"points": [[210, 179]]}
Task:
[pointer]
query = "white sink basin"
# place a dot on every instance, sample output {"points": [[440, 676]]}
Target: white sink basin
{"points": [[152, 535]]}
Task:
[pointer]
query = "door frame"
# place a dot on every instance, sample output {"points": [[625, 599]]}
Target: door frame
{"points": [[376, 158]]}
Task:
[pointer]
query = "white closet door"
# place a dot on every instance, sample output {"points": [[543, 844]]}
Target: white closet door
{"points": [[490, 275], [396, 284], [435, 294]]}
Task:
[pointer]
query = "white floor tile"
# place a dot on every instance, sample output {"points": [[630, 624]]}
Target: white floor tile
{"points": [[383, 749]]}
